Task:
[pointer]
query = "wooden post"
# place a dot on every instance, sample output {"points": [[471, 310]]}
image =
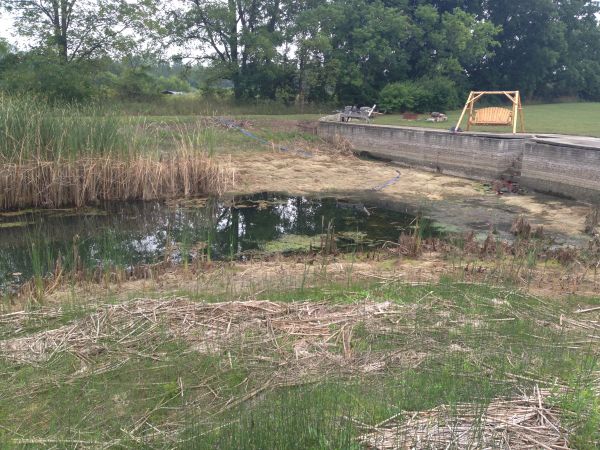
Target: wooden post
{"points": [[515, 113], [521, 112], [471, 113], [463, 114]]}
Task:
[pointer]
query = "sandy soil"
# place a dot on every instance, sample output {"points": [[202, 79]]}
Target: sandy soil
{"points": [[330, 173]]}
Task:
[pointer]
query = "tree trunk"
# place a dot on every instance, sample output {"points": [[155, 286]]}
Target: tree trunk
{"points": [[233, 48], [63, 43], [59, 19]]}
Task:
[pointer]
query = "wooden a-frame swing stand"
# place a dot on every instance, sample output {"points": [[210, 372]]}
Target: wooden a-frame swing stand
{"points": [[494, 116]]}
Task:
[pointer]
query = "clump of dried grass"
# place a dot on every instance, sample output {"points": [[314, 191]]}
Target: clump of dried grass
{"points": [[565, 256], [342, 145], [525, 422], [522, 228], [313, 328], [593, 247], [54, 184], [592, 220], [489, 247], [409, 244]]}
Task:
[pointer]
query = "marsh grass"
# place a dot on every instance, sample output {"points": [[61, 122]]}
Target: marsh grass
{"points": [[56, 184], [34, 130], [53, 156], [156, 380], [213, 105]]}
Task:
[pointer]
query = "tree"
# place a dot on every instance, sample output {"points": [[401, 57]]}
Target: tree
{"points": [[545, 44], [577, 71], [357, 41], [381, 42], [241, 40], [81, 29]]}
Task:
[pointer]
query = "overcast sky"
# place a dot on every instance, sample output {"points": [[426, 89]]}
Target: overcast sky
{"points": [[5, 28]]}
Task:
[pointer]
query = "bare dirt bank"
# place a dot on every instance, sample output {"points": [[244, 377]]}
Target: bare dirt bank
{"points": [[448, 199]]}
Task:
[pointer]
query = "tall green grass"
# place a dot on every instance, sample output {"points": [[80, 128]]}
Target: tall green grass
{"points": [[215, 105], [178, 395], [34, 129]]}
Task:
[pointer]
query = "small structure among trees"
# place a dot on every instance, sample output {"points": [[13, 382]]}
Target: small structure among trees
{"points": [[494, 116]]}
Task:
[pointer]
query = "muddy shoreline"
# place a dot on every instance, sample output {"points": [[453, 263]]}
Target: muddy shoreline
{"points": [[452, 202]]}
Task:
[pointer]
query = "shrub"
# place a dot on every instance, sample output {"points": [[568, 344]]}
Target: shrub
{"points": [[421, 96], [136, 85], [44, 76]]}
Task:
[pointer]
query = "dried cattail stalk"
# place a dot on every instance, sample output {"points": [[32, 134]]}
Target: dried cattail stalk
{"points": [[54, 184]]}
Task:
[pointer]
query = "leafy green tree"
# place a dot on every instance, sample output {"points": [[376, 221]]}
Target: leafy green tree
{"points": [[361, 43], [239, 38], [8, 56], [577, 72], [421, 96], [377, 43], [81, 29], [546, 45], [444, 43], [41, 74], [172, 83]]}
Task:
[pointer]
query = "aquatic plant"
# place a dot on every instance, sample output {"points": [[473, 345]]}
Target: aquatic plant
{"points": [[31, 129], [87, 180], [53, 156]]}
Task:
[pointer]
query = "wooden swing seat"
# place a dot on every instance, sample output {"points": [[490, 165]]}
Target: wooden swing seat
{"points": [[491, 117]]}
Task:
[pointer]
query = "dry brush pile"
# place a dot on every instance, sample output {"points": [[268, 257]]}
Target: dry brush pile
{"points": [[304, 335], [527, 421]]}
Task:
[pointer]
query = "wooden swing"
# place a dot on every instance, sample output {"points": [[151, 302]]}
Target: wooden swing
{"points": [[494, 116]]}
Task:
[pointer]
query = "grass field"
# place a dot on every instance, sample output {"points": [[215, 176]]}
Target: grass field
{"points": [[560, 118], [310, 365], [564, 118], [446, 351]]}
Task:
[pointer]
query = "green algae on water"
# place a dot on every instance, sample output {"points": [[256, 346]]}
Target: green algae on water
{"points": [[15, 224], [291, 243], [353, 236]]}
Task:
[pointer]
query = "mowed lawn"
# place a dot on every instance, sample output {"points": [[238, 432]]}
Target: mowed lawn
{"points": [[560, 118]]}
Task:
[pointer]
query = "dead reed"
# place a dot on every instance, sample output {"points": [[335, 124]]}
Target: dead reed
{"points": [[55, 184], [210, 327], [525, 422], [592, 221], [57, 155]]}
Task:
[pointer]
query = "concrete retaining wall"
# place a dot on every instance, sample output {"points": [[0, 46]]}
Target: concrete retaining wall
{"points": [[471, 156], [553, 168], [549, 165]]}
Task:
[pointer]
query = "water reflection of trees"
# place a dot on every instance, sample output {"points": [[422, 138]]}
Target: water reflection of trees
{"points": [[132, 233]]}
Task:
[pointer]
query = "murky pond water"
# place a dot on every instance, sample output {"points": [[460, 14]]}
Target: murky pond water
{"points": [[132, 233]]}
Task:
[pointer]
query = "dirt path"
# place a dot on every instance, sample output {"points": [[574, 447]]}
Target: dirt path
{"points": [[452, 201]]}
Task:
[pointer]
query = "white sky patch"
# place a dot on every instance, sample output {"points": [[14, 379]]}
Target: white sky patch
{"points": [[6, 28], [7, 31]]}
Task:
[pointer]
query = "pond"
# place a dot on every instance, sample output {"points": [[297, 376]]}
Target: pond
{"points": [[127, 234]]}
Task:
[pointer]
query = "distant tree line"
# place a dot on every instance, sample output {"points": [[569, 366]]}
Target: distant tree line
{"points": [[414, 55]]}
